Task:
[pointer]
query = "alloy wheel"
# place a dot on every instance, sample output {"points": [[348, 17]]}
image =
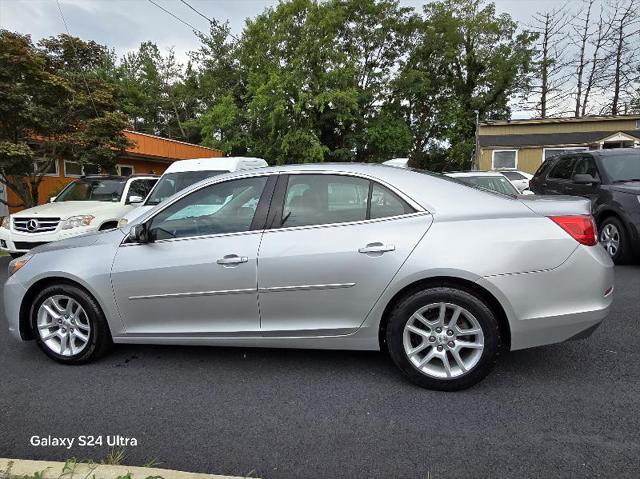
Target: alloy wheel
{"points": [[443, 340], [63, 325], [610, 239]]}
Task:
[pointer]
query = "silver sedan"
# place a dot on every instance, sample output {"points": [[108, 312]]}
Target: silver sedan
{"points": [[441, 275]]}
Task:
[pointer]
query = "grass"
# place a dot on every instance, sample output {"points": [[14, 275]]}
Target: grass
{"points": [[114, 458], [69, 469]]}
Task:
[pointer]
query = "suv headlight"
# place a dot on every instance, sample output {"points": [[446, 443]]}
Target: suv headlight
{"points": [[5, 222], [77, 221], [122, 222], [19, 262]]}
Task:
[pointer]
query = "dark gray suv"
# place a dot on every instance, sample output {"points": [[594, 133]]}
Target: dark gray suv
{"points": [[611, 179]]}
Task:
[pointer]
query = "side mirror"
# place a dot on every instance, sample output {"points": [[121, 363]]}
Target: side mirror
{"points": [[52, 199], [139, 233], [584, 179], [527, 192], [135, 199]]}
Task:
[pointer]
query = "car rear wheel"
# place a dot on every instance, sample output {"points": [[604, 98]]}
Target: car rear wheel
{"points": [[69, 325], [443, 338], [613, 238]]}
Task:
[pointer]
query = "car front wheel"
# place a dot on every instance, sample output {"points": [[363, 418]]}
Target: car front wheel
{"points": [[443, 338], [69, 325]]}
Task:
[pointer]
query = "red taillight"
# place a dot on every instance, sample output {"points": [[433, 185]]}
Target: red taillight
{"points": [[581, 228]]}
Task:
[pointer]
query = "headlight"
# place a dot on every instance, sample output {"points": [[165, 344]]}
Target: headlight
{"points": [[18, 263], [122, 222], [77, 221], [5, 222]]}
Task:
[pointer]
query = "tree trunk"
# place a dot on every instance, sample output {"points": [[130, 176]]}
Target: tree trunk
{"points": [[581, 59]]}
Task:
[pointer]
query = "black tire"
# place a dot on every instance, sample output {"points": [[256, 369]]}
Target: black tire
{"points": [[16, 255], [99, 336], [405, 308], [623, 255]]}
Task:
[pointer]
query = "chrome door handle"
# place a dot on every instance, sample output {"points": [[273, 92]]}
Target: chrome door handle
{"points": [[232, 259], [377, 248]]}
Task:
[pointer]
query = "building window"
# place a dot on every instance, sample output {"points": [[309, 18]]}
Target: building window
{"points": [[90, 169], [73, 168], [551, 152], [52, 168], [504, 160], [125, 170]]}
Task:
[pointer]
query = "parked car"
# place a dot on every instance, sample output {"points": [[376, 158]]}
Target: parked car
{"points": [[611, 180], [398, 162], [489, 180], [87, 204], [519, 179], [183, 173], [342, 256]]}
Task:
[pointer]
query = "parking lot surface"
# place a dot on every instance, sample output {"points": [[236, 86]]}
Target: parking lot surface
{"points": [[568, 410]]}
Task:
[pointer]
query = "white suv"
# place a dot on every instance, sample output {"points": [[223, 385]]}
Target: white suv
{"points": [[183, 173], [87, 204]]}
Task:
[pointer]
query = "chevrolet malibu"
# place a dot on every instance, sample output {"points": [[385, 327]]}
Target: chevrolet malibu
{"points": [[441, 275]]}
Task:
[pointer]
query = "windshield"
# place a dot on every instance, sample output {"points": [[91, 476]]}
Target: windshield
{"points": [[622, 167], [171, 183], [498, 184], [93, 190]]}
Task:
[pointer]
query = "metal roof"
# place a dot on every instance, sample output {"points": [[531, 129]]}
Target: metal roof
{"points": [[552, 139]]}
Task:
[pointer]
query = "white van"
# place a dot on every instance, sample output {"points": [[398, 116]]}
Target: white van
{"points": [[183, 173]]}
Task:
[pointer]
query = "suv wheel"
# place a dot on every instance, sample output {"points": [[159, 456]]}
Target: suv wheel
{"points": [[613, 238], [69, 325], [443, 338]]}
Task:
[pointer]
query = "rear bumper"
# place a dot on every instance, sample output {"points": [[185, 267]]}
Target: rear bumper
{"points": [[564, 303]]}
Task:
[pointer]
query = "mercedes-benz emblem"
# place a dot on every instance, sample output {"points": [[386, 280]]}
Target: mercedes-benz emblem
{"points": [[33, 225]]}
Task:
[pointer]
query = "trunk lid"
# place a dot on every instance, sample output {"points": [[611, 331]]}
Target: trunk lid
{"points": [[552, 205]]}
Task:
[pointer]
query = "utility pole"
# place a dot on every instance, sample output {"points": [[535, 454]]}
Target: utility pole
{"points": [[475, 161]]}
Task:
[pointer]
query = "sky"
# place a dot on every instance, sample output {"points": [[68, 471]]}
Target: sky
{"points": [[124, 24]]}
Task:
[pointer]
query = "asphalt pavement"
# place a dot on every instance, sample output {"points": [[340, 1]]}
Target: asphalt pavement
{"points": [[567, 410]]}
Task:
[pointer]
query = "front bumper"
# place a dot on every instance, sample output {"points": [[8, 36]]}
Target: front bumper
{"points": [[14, 292], [15, 242], [567, 302]]}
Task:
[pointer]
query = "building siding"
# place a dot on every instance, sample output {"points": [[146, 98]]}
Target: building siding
{"points": [[531, 137]]}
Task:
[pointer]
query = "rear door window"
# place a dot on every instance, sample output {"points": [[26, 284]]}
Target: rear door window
{"points": [[313, 199], [324, 199], [385, 203], [513, 175], [563, 169], [586, 165]]}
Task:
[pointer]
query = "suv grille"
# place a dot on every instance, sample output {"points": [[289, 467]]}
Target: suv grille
{"points": [[22, 245], [35, 225]]}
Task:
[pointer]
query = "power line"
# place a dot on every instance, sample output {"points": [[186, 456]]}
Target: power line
{"points": [[211, 22], [75, 54], [176, 17]]}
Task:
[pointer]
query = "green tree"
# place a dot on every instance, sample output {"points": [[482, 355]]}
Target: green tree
{"points": [[375, 35], [53, 105], [485, 61], [154, 91]]}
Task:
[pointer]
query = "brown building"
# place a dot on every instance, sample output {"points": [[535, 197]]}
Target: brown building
{"points": [[150, 154], [525, 144]]}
